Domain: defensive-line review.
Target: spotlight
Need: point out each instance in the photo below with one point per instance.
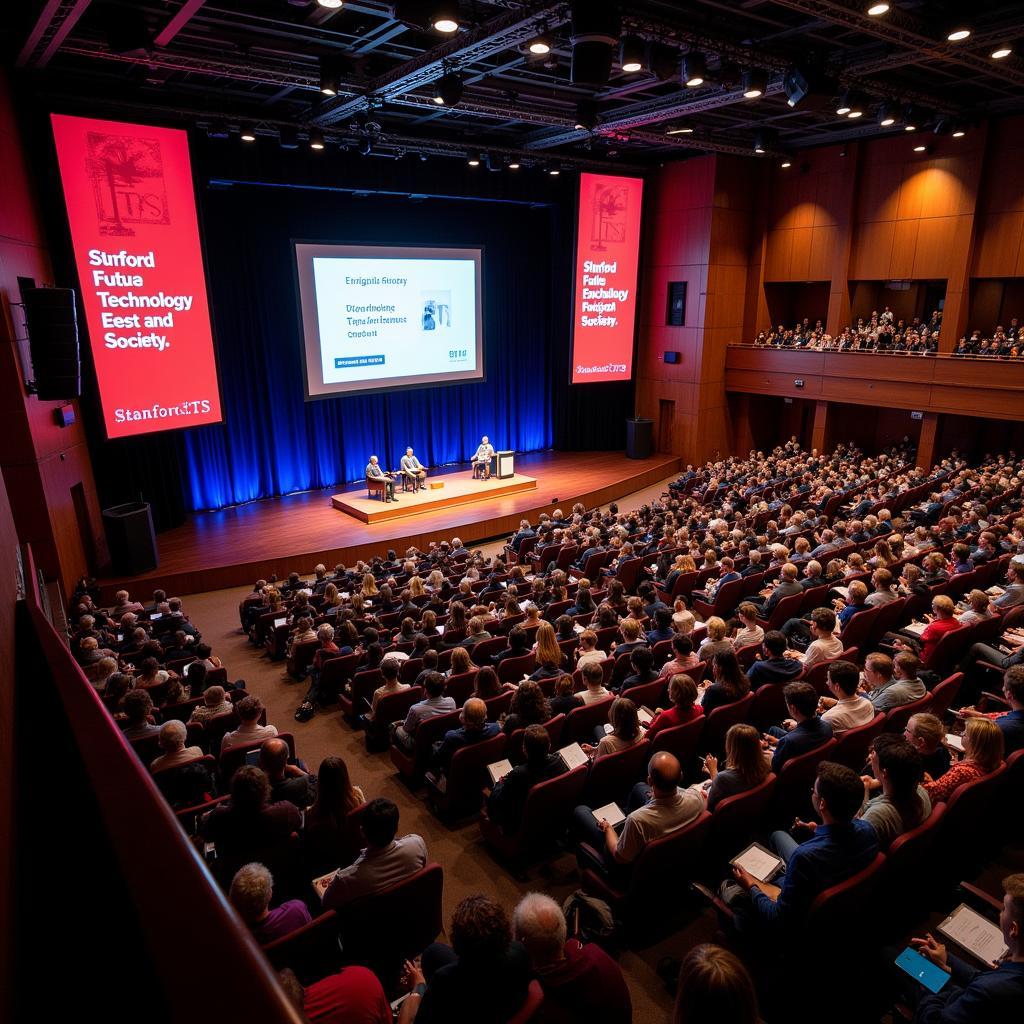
(877, 10)
(595, 29)
(586, 116)
(786, 163)
(764, 139)
(887, 114)
(329, 78)
(664, 61)
(474, 160)
(911, 118)
(316, 138)
(540, 45)
(514, 165)
(365, 146)
(448, 89)
(843, 104)
(247, 133)
(959, 131)
(958, 33)
(444, 16)
(289, 137)
(634, 57)
(755, 81)
(331, 5)
(217, 130)
(554, 172)
(856, 107)
(679, 129)
(920, 148)
(492, 163)
(695, 70)
(1001, 51)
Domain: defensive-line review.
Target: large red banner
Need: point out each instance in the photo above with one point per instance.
(131, 206)
(607, 260)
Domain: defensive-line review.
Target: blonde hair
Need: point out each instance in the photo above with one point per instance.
(717, 628)
(986, 743)
(548, 651)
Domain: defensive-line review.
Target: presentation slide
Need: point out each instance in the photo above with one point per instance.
(131, 207)
(607, 261)
(382, 317)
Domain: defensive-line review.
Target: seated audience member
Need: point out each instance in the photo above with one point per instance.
(123, 604)
(995, 994)
(773, 666)
(683, 658)
(803, 731)
(328, 836)
(352, 996)
(390, 668)
(486, 684)
(882, 589)
(838, 848)
(683, 620)
(581, 983)
(593, 677)
(518, 645)
(251, 891)
(983, 754)
(662, 626)
(506, 802)
(926, 733)
(682, 696)
(482, 977)
(654, 810)
(846, 709)
(550, 659)
(626, 731)
(640, 661)
(172, 743)
(477, 633)
(714, 986)
(587, 650)
(1011, 723)
(750, 632)
(474, 729)
(857, 603)
(717, 639)
(435, 703)
(730, 682)
(287, 781)
(902, 803)
(249, 827)
(944, 621)
(249, 709)
(565, 700)
(746, 767)
(138, 712)
(892, 682)
(385, 860)
(825, 644)
(302, 633)
(529, 707)
(979, 608)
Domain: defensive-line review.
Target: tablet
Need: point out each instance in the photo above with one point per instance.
(921, 969)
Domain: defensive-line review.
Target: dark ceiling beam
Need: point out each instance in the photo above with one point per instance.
(179, 20)
(507, 30)
(55, 23)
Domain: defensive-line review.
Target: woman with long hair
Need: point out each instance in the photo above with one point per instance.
(745, 765)
(584, 601)
(983, 754)
(460, 662)
(487, 684)
(327, 838)
(529, 707)
(455, 627)
(731, 682)
(550, 658)
(626, 731)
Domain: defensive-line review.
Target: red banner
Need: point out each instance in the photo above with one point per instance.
(132, 212)
(607, 260)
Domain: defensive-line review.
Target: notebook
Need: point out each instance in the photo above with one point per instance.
(320, 884)
(760, 862)
(499, 770)
(955, 742)
(645, 716)
(612, 813)
(981, 937)
(280, 622)
(572, 756)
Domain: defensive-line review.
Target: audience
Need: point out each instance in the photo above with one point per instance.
(251, 891)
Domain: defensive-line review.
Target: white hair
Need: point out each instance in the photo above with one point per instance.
(172, 735)
(251, 889)
(538, 922)
(325, 632)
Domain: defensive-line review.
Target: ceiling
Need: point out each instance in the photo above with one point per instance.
(224, 65)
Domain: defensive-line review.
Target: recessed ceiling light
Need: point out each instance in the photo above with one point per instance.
(247, 134)
(554, 172)
(1001, 51)
(331, 5)
(958, 34)
(316, 139)
(877, 10)
(786, 163)
(474, 160)
(540, 46)
(920, 148)
(514, 166)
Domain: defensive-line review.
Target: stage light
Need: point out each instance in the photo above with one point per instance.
(695, 70)
(634, 55)
(445, 17)
(316, 139)
(1001, 51)
(887, 114)
(288, 137)
(958, 33)
(365, 147)
(554, 172)
(331, 5)
(764, 139)
(877, 10)
(920, 148)
(586, 116)
(959, 131)
(540, 45)
(856, 108)
(786, 163)
(448, 89)
(843, 104)
(755, 81)
(679, 129)
(596, 26)
(910, 118)
(474, 160)
(247, 133)
(330, 80)
(514, 165)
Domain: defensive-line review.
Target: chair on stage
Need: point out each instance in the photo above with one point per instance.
(374, 486)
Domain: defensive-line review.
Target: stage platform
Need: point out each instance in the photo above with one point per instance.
(235, 546)
(457, 489)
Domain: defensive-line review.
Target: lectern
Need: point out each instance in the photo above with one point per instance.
(506, 464)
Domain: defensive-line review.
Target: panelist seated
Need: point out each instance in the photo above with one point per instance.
(481, 461)
(374, 472)
(413, 470)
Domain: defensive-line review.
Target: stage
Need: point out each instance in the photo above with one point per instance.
(459, 488)
(236, 546)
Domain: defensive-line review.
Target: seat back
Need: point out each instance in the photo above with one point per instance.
(554, 727)
(796, 780)
(500, 705)
(889, 616)
(612, 777)
(310, 951)
(581, 722)
(838, 909)
(681, 740)
(460, 686)
(851, 748)
(395, 706)
(628, 573)
(482, 652)
(532, 1003)
(736, 818)
(969, 807)
(945, 693)
(428, 733)
(410, 669)
(787, 608)
(651, 694)
(467, 774)
(511, 670)
(548, 806)
(302, 657)
(858, 628)
(896, 719)
(363, 685)
(722, 718)
(214, 729)
(949, 650)
(654, 880)
(336, 671)
(769, 706)
(908, 855)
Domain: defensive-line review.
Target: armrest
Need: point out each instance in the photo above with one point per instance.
(716, 901)
(981, 895)
(993, 698)
(989, 667)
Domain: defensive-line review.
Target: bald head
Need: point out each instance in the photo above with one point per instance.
(663, 773)
(474, 713)
(274, 757)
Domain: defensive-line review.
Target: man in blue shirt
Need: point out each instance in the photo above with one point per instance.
(1011, 723)
(775, 667)
(973, 995)
(838, 848)
(803, 731)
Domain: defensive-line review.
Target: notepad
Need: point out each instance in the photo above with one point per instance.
(155, 615)
(280, 622)
(578, 628)
(612, 813)
(915, 628)
(499, 770)
(970, 930)
(523, 605)
(645, 716)
(320, 884)
(955, 742)
(573, 756)
(608, 727)
(760, 862)
(995, 591)
(843, 592)
(440, 630)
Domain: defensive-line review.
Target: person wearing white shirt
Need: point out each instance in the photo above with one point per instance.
(825, 644)
(482, 459)
(750, 632)
(588, 652)
(413, 470)
(846, 709)
(249, 731)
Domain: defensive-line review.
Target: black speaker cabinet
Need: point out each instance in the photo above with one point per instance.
(638, 438)
(131, 538)
(52, 326)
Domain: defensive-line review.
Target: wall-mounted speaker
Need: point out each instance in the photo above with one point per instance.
(52, 326)
(675, 315)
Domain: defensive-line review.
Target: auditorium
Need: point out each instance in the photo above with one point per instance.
(512, 511)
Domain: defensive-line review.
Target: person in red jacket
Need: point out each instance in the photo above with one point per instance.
(943, 621)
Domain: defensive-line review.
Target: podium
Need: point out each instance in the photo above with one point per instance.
(131, 538)
(505, 465)
(638, 438)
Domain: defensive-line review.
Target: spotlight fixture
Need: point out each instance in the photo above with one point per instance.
(288, 137)
(514, 165)
(959, 131)
(540, 45)
(679, 129)
(877, 10)
(329, 78)
(554, 172)
(365, 146)
(444, 17)
(586, 116)
(596, 27)
(247, 133)
(492, 163)
(888, 114)
(316, 139)
(920, 148)
(1001, 51)
(754, 81)
(843, 104)
(695, 70)
(474, 160)
(856, 107)
(958, 33)
(910, 118)
(634, 56)
(448, 89)
(764, 139)
(786, 162)
(331, 5)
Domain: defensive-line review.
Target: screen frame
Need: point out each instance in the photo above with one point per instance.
(640, 268)
(398, 250)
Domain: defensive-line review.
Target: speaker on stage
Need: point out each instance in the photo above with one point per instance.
(638, 438)
(52, 326)
(131, 539)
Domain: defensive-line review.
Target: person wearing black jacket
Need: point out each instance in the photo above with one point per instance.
(507, 801)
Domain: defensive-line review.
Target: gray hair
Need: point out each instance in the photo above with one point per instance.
(172, 735)
(538, 922)
(251, 889)
(325, 632)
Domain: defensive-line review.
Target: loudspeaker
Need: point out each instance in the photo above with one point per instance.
(131, 538)
(52, 326)
(672, 357)
(675, 315)
(638, 438)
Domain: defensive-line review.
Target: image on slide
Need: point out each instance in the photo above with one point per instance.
(437, 310)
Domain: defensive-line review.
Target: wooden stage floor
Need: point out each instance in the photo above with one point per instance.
(236, 546)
